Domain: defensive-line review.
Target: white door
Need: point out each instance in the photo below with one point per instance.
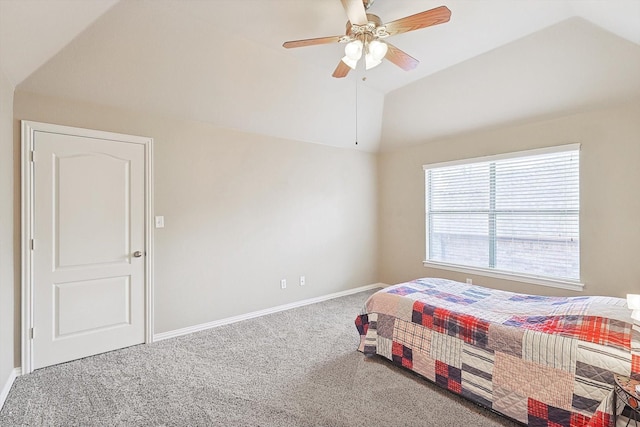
(88, 284)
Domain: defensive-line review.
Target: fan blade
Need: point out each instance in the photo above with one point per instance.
(355, 11)
(400, 58)
(341, 70)
(439, 15)
(311, 42)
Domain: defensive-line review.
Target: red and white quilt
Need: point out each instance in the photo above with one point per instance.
(544, 361)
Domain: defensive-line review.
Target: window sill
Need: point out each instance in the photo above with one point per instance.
(532, 280)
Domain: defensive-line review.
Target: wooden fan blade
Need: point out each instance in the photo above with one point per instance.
(341, 70)
(311, 42)
(355, 11)
(439, 15)
(401, 58)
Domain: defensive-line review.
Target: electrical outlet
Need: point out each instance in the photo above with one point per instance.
(302, 280)
(283, 283)
(469, 281)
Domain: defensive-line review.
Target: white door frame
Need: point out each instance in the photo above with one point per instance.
(28, 134)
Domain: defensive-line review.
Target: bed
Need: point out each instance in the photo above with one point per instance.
(543, 361)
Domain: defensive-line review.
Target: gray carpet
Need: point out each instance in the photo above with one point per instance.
(294, 368)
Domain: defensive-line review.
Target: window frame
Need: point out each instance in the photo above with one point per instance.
(574, 285)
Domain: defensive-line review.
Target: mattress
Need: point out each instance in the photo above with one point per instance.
(543, 361)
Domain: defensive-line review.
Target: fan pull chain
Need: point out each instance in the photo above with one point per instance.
(363, 79)
(356, 111)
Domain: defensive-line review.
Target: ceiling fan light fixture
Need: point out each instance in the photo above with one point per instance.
(365, 32)
(378, 49)
(371, 62)
(350, 62)
(353, 50)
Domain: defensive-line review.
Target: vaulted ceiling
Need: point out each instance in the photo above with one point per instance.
(221, 61)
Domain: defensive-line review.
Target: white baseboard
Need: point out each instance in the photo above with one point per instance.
(15, 373)
(204, 326)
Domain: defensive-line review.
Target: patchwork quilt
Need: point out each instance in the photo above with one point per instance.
(544, 361)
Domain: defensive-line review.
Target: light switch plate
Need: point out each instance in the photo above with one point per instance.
(159, 222)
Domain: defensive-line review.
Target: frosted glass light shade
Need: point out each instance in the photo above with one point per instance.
(353, 50)
(350, 62)
(370, 61)
(378, 49)
(633, 301)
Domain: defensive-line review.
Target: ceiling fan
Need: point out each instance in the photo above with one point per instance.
(366, 32)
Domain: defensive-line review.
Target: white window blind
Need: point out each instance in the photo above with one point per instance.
(516, 213)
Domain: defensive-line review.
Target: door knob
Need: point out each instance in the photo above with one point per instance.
(137, 254)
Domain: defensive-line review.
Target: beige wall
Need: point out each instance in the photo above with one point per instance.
(242, 211)
(7, 327)
(610, 198)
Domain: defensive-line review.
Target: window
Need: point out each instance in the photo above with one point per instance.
(516, 214)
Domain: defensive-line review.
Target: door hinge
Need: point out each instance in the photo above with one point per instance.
(33, 155)
(31, 333)
(33, 244)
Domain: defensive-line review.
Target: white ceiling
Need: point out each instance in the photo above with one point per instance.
(222, 61)
(32, 31)
(569, 67)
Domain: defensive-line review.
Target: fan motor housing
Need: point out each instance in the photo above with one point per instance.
(373, 28)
